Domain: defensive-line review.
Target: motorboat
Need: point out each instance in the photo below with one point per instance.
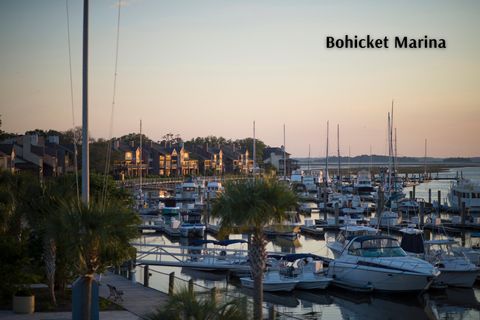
(347, 233)
(363, 186)
(307, 269)
(213, 189)
(387, 218)
(466, 191)
(272, 281)
(456, 270)
(376, 262)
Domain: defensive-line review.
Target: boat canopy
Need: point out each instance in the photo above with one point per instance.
(229, 242)
(296, 256)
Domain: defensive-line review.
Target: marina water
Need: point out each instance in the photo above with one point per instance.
(334, 303)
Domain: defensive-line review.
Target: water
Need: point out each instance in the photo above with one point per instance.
(333, 303)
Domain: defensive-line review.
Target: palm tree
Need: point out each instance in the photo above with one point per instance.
(98, 237)
(184, 304)
(251, 205)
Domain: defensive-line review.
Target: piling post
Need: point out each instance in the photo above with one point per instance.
(146, 276)
(439, 195)
(422, 213)
(336, 213)
(171, 283)
(410, 194)
(213, 294)
(190, 286)
(413, 192)
(430, 196)
(462, 212)
(271, 312)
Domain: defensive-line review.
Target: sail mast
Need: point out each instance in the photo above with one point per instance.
(326, 159)
(284, 156)
(254, 149)
(85, 142)
(140, 156)
(338, 152)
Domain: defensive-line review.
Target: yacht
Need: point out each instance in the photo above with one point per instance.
(347, 233)
(468, 192)
(363, 186)
(375, 262)
(213, 189)
(456, 270)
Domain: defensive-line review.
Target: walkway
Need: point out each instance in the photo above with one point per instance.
(137, 299)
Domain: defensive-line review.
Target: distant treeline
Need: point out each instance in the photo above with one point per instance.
(381, 158)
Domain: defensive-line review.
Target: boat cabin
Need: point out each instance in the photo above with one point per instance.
(375, 247)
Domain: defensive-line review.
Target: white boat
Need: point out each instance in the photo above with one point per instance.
(307, 269)
(363, 186)
(213, 189)
(338, 243)
(272, 281)
(468, 192)
(379, 263)
(192, 229)
(456, 270)
(387, 219)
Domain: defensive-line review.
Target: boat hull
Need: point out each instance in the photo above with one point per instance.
(357, 276)
(455, 278)
(287, 285)
(322, 283)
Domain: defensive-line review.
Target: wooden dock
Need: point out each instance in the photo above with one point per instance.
(137, 299)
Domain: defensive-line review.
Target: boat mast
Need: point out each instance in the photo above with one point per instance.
(140, 169)
(425, 161)
(338, 151)
(254, 149)
(284, 156)
(326, 159)
(389, 156)
(85, 142)
(308, 163)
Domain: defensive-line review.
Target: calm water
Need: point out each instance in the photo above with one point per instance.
(338, 303)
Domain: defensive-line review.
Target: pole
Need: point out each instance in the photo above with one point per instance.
(284, 156)
(338, 152)
(326, 159)
(85, 145)
(254, 149)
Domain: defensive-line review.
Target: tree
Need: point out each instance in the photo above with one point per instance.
(186, 305)
(98, 236)
(251, 205)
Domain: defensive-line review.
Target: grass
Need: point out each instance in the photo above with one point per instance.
(64, 302)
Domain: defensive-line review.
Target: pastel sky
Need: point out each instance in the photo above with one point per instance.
(207, 67)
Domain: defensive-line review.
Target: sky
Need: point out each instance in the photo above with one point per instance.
(199, 68)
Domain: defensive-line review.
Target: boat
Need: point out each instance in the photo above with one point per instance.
(272, 281)
(191, 225)
(466, 191)
(456, 270)
(362, 186)
(307, 269)
(338, 243)
(378, 263)
(213, 189)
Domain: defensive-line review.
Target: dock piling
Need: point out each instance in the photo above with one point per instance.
(413, 192)
(430, 196)
(171, 283)
(439, 195)
(336, 213)
(190, 286)
(422, 213)
(146, 276)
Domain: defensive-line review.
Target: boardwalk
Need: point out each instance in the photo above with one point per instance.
(137, 299)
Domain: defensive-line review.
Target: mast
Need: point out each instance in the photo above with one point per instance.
(370, 169)
(389, 156)
(85, 142)
(349, 166)
(141, 158)
(425, 161)
(338, 151)
(326, 159)
(308, 163)
(284, 156)
(254, 149)
(395, 153)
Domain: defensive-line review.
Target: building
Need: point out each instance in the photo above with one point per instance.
(275, 157)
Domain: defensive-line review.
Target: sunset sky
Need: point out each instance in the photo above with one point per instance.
(199, 68)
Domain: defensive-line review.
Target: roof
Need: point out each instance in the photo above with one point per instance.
(372, 237)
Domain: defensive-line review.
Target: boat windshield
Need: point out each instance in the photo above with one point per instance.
(377, 247)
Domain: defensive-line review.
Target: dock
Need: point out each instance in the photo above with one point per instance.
(137, 299)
